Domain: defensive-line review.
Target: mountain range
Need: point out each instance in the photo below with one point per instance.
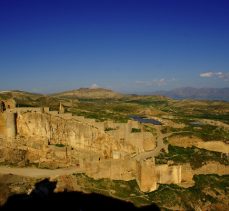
(196, 93)
(101, 93)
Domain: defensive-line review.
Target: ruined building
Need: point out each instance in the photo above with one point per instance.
(54, 139)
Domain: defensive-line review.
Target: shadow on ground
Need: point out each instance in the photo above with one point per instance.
(43, 198)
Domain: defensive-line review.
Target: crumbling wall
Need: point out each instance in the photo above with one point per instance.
(7, 124)
(7, 119)
(57, 130)
(2, 125)
(141, 141)
(7, 104)
(10, 124)
(146, 175)
(168, 174)
(186, 173)
(83, 133)
(112, 169)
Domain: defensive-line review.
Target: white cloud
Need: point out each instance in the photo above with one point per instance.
(207, 75)
(94, 86)
(221, 75)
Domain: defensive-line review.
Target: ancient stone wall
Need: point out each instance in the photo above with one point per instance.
(7, 104)
(27, 109)
(8, 124)
(7, 119)
(102, 149)
(146, 175)
(2, 125)
(83, 133)
(168, 174)
(57, 130)
(113, 169)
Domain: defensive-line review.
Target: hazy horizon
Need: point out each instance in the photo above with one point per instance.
(121, 92)
(127, 46)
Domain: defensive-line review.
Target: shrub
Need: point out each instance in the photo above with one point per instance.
(109, 129)
(59, 145)
(135, 130)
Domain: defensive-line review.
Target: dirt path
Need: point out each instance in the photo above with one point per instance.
(35, 172)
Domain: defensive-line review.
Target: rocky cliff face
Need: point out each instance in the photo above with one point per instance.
(49, 139)
(56, 130)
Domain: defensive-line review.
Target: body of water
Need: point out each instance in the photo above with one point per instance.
(145, 120)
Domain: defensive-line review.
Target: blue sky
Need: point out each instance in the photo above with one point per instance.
(130, 46)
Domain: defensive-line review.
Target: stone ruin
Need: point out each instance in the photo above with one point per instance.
(54, 139)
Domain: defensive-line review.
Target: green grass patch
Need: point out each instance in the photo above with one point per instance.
(187, 198)
(205, 132)
(166, 196)
(150, 129)
(135, 130)
(193, 155)
(59, 145)
(109, 129)
(118, 188)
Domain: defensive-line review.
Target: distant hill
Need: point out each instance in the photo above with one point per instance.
(34, 99)
(18, 94)
(92, 93)
(196, 93)
(28, 99)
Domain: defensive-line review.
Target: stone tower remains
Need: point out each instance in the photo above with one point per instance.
(7, 119)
